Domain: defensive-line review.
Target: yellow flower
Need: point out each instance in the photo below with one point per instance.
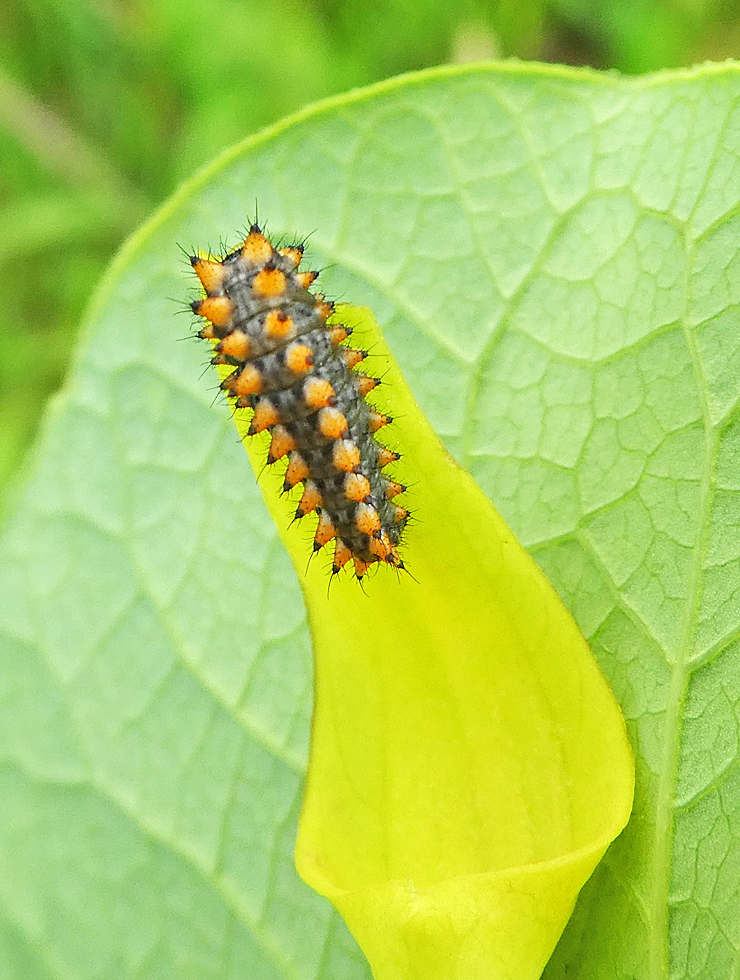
(469, 765)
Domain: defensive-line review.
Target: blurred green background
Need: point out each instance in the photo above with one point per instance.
(106, 105)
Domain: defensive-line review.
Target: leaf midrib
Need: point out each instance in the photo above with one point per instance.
(682, 666)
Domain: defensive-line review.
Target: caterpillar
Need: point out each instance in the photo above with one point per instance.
(295, 374)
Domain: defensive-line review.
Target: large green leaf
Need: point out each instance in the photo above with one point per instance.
(552, 257)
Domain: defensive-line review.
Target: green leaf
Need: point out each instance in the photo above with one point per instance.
(552, 256)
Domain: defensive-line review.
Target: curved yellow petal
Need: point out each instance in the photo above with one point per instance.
(469, 765)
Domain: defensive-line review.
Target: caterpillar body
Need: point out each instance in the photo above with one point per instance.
(293, 371)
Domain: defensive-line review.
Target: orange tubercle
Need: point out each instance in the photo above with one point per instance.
(367, 519)
(247, 382)
(217, 309)
(265, 415)
(378, 420)
(294, 254)
(380, 546)
(393, 489)
(353, 357)
(318, 393)
(333, 423)
(342, 555)
(306, 278)
(365, 384)
(325, 531)
(356, 487)
(237, 344)
(269, 283)
(298, 358)
(338, 332)
(360, 566)
(387, 456)
(346, 455)
(278, 325)
(297, 470)
(256, 249)
(281, 444)
(310, 500)
(323, 307)
(211, 274)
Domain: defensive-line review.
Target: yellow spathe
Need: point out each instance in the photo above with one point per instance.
(469, 765)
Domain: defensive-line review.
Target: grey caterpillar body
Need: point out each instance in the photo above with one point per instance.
(292, 369)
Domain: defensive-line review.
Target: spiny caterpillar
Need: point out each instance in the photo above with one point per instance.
(292, 370)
